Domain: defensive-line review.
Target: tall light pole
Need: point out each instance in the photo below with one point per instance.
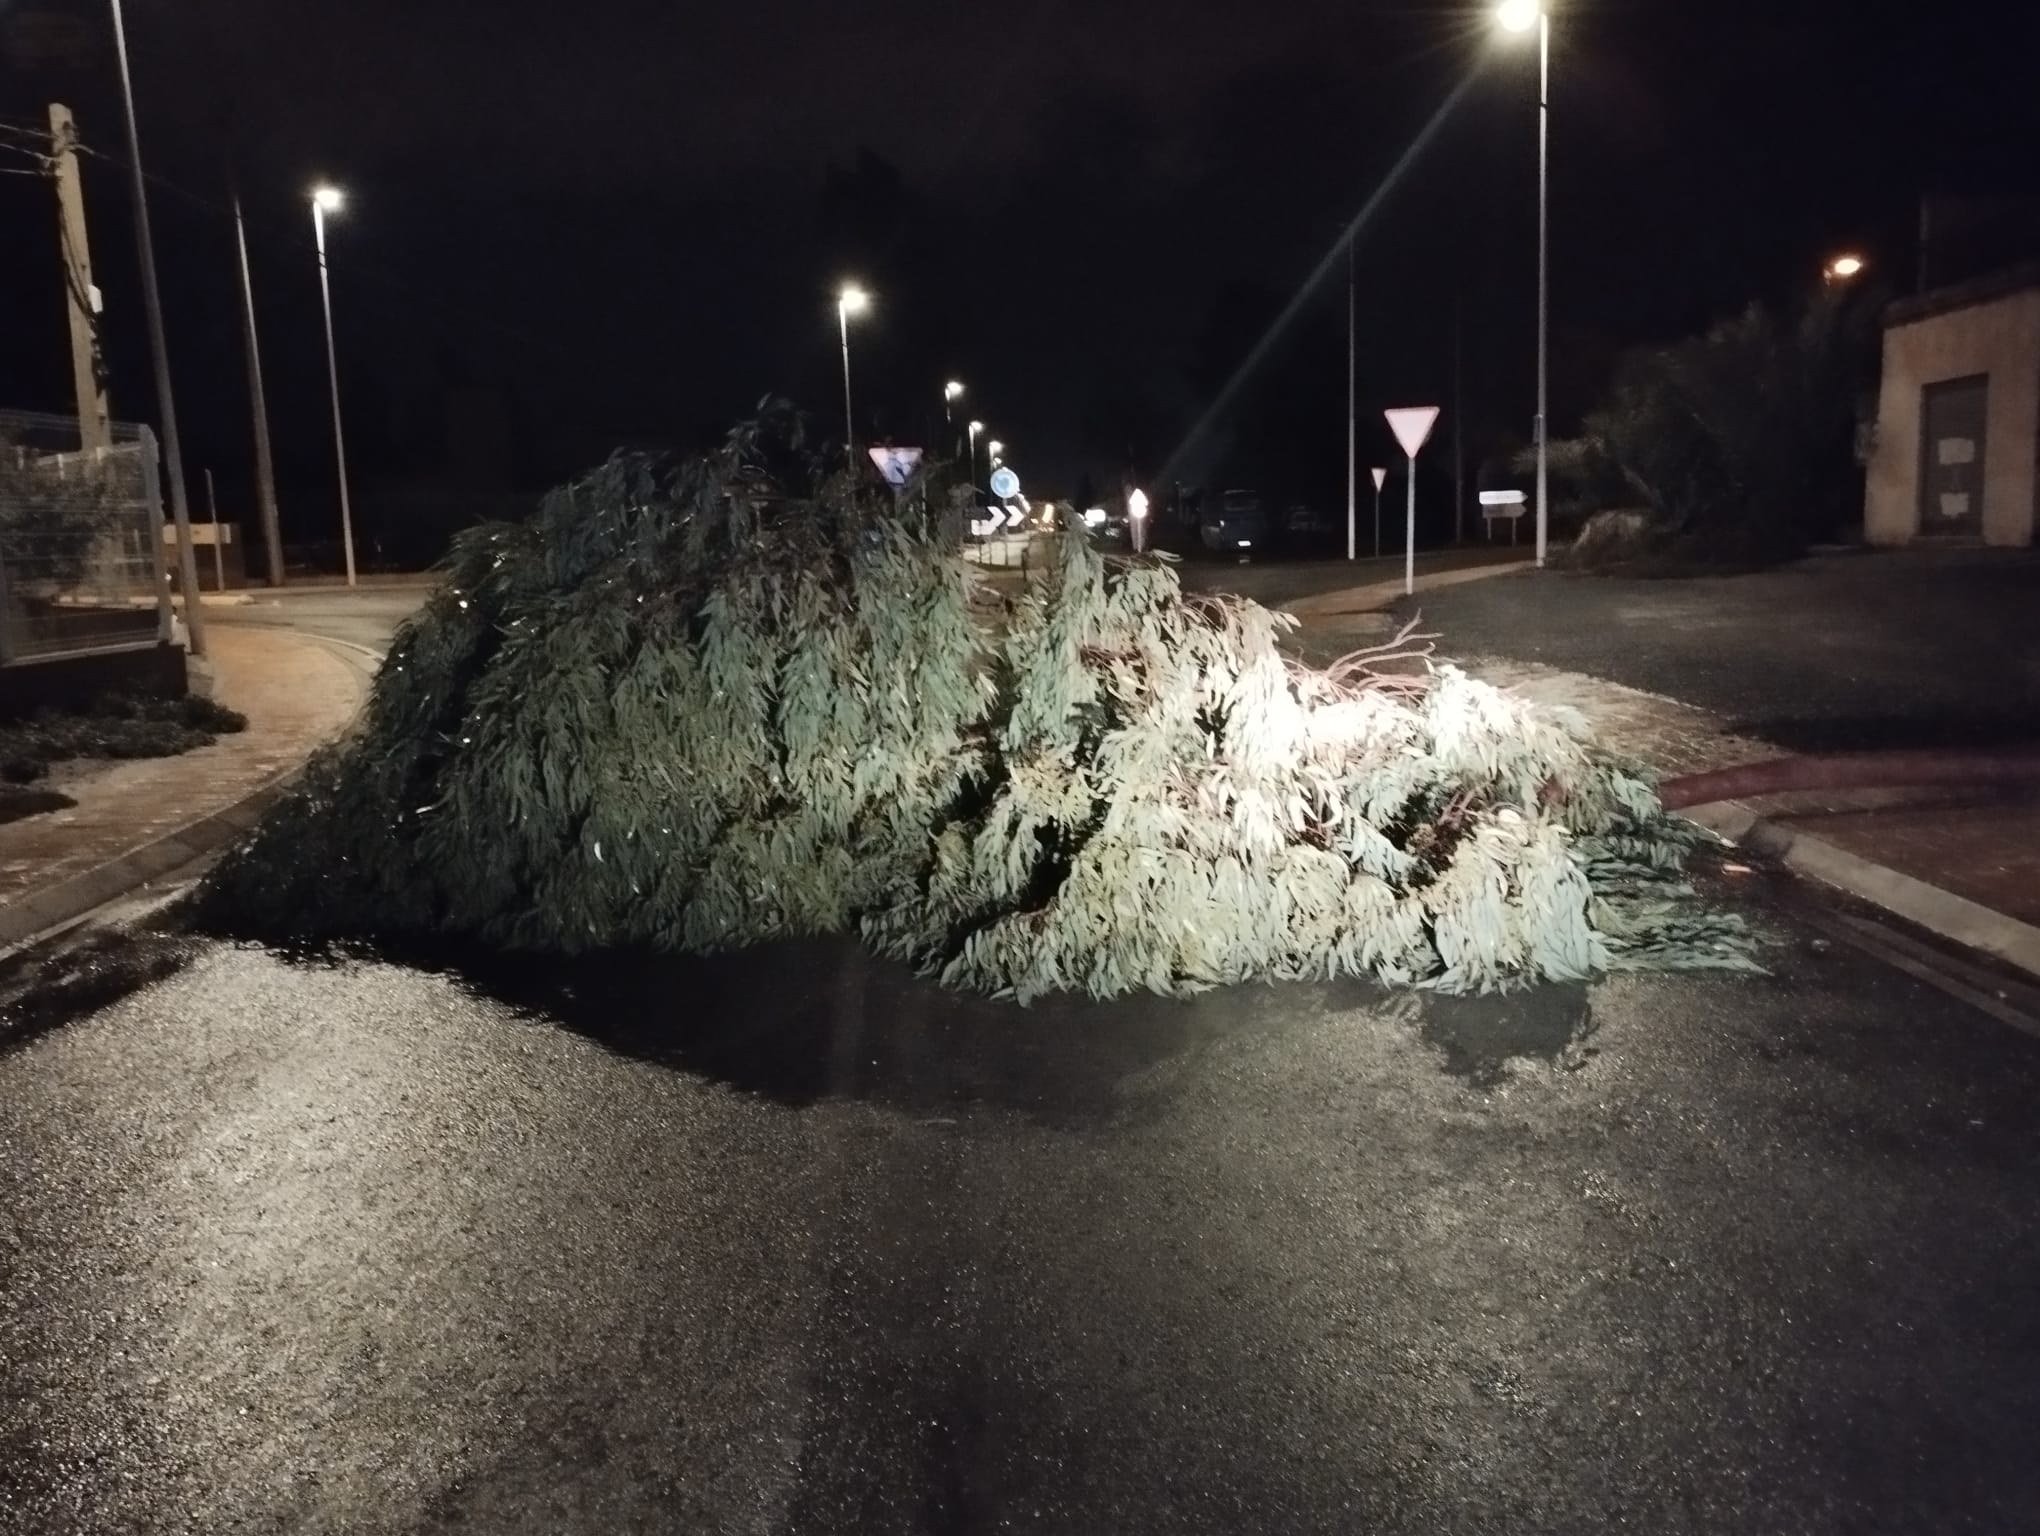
(853, 300)
(1352, 414)
(265, 469)
(159, 348)
(1521, 16)
(951, 393)
(975, 428)
(327, 200)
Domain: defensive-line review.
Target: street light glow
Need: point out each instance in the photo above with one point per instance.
(853, 299)
(951, 390)
(995, 448)
(328, 198)
(1845, 266)
(1518, 15)
(977, 426)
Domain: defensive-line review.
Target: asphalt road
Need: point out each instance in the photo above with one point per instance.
(793, 1243)
(367, 617)
(1919, 648)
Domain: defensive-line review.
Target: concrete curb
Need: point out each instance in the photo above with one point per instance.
(1943, 913)
(1372, 597)
(42, 912)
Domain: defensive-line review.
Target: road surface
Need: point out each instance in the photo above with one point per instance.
(1917, 648)
(361, 620)
(791, 1242)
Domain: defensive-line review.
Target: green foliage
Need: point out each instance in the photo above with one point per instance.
(115, 725)
(1739, 443)
(701, 706)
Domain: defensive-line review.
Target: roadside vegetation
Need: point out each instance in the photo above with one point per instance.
(1731, 449)
(115, 725)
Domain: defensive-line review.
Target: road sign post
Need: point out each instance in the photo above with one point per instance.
(1411, 424)
(1380, 479)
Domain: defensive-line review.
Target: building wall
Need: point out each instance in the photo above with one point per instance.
(2001, 339)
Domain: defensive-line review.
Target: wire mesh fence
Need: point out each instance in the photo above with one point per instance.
(81, 539)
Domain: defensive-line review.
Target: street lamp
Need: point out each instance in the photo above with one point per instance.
(975, 428)
(159, 354)
(993, 449)
(1136, 515)
(325, 200)
(951, 393)
(853, 300)
(1521, 16)
(1842, 268)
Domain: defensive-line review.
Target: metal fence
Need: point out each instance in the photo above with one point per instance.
(81, 539)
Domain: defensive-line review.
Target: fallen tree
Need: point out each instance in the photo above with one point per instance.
(701, 706)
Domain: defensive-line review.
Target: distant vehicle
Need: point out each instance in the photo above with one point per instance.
(1235, 524)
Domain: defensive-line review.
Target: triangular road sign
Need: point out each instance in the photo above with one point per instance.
(1380, 477)
(1411, 424)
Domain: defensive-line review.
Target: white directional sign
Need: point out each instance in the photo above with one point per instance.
(1411, 424)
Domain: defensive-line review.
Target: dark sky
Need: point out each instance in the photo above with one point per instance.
(622, 220)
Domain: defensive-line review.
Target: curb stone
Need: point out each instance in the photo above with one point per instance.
(40, 913)
(1943, 913)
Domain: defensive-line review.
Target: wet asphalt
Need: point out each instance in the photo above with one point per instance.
(792, 1242)
(1913, 649)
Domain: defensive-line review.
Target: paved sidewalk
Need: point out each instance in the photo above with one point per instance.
(1907, 850)
(136, 820)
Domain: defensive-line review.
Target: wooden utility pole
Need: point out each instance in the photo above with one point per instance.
(94, 426)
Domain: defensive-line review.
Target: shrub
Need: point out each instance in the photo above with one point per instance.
(1739, 444)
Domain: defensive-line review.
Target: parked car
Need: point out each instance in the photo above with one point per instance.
(1236, 524)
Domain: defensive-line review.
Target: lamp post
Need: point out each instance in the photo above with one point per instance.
(975, 428)
(159, 356)
(325, 200)
(1521, 16)
(853, 300)
(1842, 268)
(951, 393)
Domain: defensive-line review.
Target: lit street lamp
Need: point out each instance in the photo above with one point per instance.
(975, 428)
(853, 300)
(951, 393)
(1842, 268)
(1136, 514)
(993, 449)
(327, 200)
(1521, 16)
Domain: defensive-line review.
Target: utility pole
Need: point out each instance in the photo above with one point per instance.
(1459, 419)
(173, 452)
(219, 557)
(94, 425)
(1352, 413)
(265, 468)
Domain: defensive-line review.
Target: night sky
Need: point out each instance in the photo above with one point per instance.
(622, 221)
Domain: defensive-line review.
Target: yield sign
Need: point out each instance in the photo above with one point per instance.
(1411, 424)
(897, 465)
(1380, 477)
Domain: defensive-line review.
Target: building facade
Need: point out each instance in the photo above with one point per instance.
(1957, 448)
